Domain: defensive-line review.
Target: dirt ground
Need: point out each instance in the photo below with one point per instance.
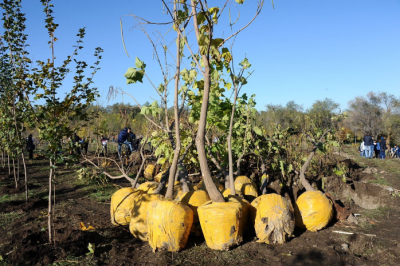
(371, 192)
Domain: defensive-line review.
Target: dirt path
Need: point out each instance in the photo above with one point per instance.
(24, 238)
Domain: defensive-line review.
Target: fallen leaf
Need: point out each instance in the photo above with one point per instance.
(84, 228)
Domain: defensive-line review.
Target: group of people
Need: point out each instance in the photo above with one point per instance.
(369, 147)
(128, 138)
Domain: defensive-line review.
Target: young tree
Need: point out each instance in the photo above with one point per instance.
(15, 85)
(53, 118)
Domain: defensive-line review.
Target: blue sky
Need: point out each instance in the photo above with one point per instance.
(301, 50)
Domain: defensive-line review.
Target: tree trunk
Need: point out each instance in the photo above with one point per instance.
(15, 176)
(26, 177)
(8, 160)
(172, 171)
(50, 207)
(265, 183)
(231, 180)
(18, 169)
(212, 190)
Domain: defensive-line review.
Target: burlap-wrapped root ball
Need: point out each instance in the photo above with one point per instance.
(194, 199)
(122, 204)
(221, 223)
(148, 187)
(149, 171)
(273, 218)
(138, 223)
(168, 224)
(313, 211)
(201, 185)
(247, 187)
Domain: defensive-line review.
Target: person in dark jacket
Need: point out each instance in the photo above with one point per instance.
(85, 145)
(383, 148)
(368, 144)
(30, 146)
(377, 149)
(75, 140)
(123, 139)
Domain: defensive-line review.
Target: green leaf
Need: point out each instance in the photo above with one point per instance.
(221, 126)
(133, 75)
(226, 55)
(258, 131)
(139, 64)
(245, 63)
(91, 248)
(201, 18)
(239, 1)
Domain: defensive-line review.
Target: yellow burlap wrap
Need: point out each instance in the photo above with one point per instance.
(221, 223)
(313, 211)
(168, 224)
(273, 218)
(138, 223)
(122, 204)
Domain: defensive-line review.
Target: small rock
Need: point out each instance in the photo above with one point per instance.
(345, 247)
(390, 189)
(315, 246)
(352, 219)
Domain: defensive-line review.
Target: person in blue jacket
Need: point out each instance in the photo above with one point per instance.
(383, 147)
(123, 139)
(377, 149)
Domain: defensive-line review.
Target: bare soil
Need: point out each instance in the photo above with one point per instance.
(23, 226)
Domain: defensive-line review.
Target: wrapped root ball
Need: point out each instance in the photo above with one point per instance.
(158, 177)
(168, 224)
(149, 171)
(201, 185)
(245, 209)
(247, 186)
(194, 199)
(273, 218)
(178, 191)
(148, 187)
(313, 211)
(138, 223)
(122, 204)
(221, 223)
(227, 192)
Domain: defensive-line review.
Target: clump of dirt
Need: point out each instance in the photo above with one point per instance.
(365, 195)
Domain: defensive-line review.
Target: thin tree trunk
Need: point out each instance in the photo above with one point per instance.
(231, 180)
(18, 169)
(15, 176)
(265, 182)
(171, 180)
(50, 207)
(8, 160)
(244, 141)
(212, 190)
(26, 177)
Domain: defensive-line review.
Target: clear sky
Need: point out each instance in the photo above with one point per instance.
(301, 50)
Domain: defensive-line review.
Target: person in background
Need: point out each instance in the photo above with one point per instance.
(103, 141)
(123, 139)
(30, 146)
(383, 148)
(131, 138)
(395, 149)
(361, 149)
(377, 149)
(368, 142)
(85, 144)
(75, 140)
